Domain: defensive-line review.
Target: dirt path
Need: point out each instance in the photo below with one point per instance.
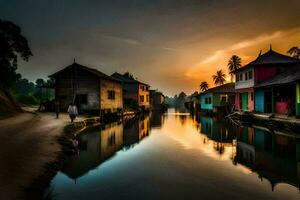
(28, 142)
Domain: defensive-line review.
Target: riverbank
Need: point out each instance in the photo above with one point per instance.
(36, 146)
(33, 148)
(270, 121)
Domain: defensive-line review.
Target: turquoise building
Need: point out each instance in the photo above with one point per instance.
(217, 97)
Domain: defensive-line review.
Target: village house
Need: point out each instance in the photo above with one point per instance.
(91, 90)
(220, 98)
(192, 102)
(157, 100)
(280, 94)
(263, 68)
(135, 93)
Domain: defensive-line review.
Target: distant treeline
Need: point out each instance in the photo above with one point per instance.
(27, 92)
(177, 100)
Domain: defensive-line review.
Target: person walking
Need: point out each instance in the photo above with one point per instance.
(56, 107)
(73, 112)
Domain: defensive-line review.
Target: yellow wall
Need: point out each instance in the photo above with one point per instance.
(112, 104)
(144, 93)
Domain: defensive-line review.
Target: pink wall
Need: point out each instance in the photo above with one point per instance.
(281, 107)
(238, 101)
(263, 73)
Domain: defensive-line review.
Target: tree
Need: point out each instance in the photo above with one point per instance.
(12, 45)
(40, 82)
(219, 78)
(294, 52)
(204, 86)
(234, 63)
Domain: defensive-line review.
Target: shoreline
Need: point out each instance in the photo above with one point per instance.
(38, 189)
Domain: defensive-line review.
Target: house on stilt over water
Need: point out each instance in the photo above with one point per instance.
(136, 94)
(91, 90)
(218, 99)
(250, 94)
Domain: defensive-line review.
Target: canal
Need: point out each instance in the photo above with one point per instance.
(179, 156)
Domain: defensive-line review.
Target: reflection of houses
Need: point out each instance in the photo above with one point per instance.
(263, 68)
(156, 119)
(218, 98)
(90, 89)
(135, 93)
(144, 127)
(217, 130)
(275, 157)
(95, 147)
(157, 100)
(220, 132)
(135, 130)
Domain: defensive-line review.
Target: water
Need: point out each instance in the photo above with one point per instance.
(176, 156)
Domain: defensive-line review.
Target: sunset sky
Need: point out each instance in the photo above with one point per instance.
(171, 44)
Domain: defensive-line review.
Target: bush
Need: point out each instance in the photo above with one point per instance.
(27, 99)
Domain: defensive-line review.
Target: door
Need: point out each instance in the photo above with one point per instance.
(244, 100)
(268, 102)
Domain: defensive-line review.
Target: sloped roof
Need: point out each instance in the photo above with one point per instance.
(91, 70)
(289, 76)
(226, 88)
(269, 58)
(125, 79)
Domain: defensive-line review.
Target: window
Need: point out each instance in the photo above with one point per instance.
(250, 74)
(237, 77)
(142, 88)
(223, 98)
(111, 94)
(207, 100)
(252, 96)
(241, 76)
(142, 98)
(147, 88)
(246, 76)
(147, 98)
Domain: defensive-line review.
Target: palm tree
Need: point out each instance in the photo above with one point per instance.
(203, 86)
(219, 78)
(294, 52)
(234, 63)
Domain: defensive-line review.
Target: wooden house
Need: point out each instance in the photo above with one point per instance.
(90, 89)
(263, 68)
(217, 98)
(135, 93)
(157, 100)
(280, 94)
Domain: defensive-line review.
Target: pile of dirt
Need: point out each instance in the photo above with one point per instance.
(8, 105)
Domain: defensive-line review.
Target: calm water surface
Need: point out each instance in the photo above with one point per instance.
(177, 156)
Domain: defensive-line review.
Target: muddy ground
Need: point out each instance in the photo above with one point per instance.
(28, 142)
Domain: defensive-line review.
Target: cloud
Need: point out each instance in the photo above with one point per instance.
(241, 45)
(121, 39)
(171, 49)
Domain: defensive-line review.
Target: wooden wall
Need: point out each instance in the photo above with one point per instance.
(69, 83)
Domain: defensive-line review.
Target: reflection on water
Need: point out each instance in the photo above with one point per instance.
(175, 155)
